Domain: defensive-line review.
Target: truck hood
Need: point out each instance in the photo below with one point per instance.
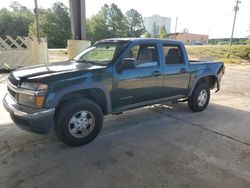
(49, 69)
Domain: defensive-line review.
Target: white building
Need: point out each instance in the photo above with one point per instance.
(158, 21)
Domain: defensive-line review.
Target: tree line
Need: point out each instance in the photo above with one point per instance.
(54, 23)
(226, 41)
(109, 22)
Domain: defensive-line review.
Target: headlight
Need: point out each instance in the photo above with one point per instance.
(33, 94)
(27, 100)
(34, 86)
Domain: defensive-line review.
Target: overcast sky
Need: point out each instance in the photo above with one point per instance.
(212, 17)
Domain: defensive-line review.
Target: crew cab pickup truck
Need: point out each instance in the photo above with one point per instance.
(112, 76)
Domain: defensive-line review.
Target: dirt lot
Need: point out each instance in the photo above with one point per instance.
(157, 146)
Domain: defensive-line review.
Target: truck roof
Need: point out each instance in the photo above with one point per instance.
(139, 39)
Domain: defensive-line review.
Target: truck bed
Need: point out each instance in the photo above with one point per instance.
(213, 66)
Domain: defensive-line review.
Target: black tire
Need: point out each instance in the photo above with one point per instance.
(194, 102)
(73, 109)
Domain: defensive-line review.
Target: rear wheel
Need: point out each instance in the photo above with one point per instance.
(200, 97)
(78, 122)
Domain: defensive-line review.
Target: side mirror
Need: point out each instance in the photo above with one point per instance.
(127, 63)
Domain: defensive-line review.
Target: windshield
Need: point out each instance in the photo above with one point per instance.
(101, 53)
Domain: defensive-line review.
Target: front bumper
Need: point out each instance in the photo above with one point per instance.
(30, 119)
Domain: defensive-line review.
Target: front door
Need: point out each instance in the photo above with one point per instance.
(141, 84)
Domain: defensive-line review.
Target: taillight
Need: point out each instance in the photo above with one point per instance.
(223, 70)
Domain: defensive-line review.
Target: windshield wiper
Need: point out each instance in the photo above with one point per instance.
(90, 62)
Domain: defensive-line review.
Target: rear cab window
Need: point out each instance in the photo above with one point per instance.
(173, 54)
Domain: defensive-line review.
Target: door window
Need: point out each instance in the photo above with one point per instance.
(173, 55)
(145, 55)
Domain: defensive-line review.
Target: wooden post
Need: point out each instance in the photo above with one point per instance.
(37, 22)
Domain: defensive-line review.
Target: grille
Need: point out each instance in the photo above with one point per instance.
(12, 93)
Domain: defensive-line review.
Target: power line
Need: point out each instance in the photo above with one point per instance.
(236, 9)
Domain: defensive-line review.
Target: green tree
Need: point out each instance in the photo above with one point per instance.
(15, 21)
(6, 19)
(55, 25)
(117, 22)
(108, 22)
(147, 35)
(97, 25)
(163, 32)
(135, 23)
(15, 6)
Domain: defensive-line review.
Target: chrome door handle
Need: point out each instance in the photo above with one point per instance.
(156, 73)
(183, 70)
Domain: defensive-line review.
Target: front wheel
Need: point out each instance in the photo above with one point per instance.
(200, 97)
(78, 122)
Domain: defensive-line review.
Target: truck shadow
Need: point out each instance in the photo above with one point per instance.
(226, 120)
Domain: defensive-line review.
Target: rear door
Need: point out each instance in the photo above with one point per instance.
(176, 71)
(142, 84)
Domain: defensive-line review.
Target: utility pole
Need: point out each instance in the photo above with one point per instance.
(37, 22)
(176, 21)
(236, 9)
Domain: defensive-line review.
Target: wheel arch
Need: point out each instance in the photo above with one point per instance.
(211, 80)
(99, 95)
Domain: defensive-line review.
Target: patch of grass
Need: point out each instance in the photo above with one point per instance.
(235, 54)
(231, 60)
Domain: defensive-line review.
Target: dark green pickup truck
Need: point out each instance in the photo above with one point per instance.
(112, 76)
